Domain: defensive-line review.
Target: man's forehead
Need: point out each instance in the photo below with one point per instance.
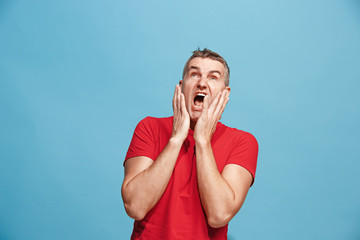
(207, 65)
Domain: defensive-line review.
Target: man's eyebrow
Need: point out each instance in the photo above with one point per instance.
(215, 71)
(193, 67)
(197, 68)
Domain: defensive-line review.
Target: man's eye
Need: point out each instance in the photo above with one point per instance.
(194, 74)
(213, 78)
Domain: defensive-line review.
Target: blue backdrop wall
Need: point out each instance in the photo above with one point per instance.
(77, 76)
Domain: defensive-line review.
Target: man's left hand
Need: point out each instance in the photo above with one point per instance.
(206, 124)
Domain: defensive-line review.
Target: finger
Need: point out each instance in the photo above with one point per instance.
(178, 92)
(174, 100)
(224, 103)
(182, 102)
(227, 93)
(215, 102)
(223, 107)
(217, 107)
(226, 97)
(206, 103)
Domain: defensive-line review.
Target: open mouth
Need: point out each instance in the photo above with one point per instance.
(199, 100)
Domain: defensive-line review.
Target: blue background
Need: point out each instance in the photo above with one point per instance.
(77, 76)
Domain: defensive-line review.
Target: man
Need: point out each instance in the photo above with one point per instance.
(187, 176)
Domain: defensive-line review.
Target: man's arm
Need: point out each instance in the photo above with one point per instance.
(222, 195)
(146, 180)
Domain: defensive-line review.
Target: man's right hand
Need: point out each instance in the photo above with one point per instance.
(145, 179)
(181, 122)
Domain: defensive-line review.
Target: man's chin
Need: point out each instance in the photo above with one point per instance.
(195, 115)
(194, 118)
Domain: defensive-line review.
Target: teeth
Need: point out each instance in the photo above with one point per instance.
(200, 94)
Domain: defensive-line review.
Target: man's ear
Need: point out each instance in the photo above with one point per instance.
(228, 89)
(181, 84)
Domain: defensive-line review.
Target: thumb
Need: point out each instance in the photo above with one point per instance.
(206, 103)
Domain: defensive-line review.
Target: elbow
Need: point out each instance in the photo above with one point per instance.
(218, 220)
(132, 209)
(135, 213)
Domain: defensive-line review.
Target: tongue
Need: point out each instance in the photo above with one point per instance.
(198, 103)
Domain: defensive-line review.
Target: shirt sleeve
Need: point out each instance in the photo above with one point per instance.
(142, 142)
(245, 153)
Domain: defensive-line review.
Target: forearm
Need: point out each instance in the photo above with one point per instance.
(143, 191)
(217, 197)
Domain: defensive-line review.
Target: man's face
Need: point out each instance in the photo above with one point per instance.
(205, 77)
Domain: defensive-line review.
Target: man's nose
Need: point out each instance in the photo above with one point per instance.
(202, 83)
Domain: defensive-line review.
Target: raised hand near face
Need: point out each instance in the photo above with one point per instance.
(181, 122)
(206, 124)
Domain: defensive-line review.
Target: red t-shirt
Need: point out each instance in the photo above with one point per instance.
(179, 214)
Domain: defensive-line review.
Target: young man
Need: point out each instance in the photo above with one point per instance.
(187, 176)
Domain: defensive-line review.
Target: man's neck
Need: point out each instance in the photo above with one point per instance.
(192, 124)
